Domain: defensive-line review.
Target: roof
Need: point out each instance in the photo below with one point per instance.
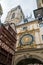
(13, 9)
(27, 22)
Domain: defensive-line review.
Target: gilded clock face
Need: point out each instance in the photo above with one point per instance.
(26, 39)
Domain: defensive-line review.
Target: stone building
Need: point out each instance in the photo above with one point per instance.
(29, 46)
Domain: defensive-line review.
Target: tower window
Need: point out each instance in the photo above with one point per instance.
(42, 37)
(13, 15)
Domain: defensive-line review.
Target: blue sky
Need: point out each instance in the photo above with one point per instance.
(27, 6)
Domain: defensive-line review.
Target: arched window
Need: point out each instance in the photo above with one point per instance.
(13, 16)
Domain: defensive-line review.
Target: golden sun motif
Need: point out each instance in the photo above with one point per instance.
(26, 39)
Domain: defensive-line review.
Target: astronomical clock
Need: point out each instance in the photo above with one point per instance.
(26, 39)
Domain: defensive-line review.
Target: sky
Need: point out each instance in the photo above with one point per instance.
(27, 7)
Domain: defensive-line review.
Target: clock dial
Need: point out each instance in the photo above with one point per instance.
(26, 39)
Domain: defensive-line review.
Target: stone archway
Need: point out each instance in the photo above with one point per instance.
(29, 61)
(23, 58)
